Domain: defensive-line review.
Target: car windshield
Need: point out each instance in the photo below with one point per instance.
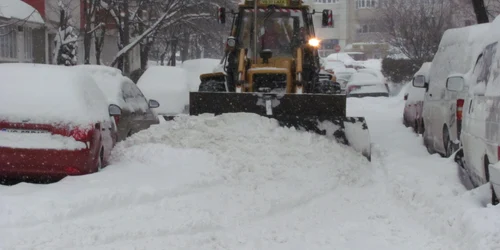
(278, 30)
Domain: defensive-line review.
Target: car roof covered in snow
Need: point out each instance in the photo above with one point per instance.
(111, 81)
(168, 85)
(364, 78)
(49, 94)
(457, 53)
(19, 10)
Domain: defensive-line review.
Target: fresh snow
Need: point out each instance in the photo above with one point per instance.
(18, 9)
(239, 181)
(167, 85)
(39, 141)
(49, 94)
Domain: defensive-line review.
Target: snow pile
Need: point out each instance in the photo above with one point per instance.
(114, 86)
(39, 141)
(198, 67)
(167, 85)
(49, 94)
(19, 10)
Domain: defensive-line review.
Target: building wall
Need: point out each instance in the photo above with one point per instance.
(22, 43)
(51, 11)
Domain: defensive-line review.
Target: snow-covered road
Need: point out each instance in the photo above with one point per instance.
(241, 182)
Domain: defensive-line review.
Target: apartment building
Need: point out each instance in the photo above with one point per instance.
(22, 33)
(354, 28)
(50, 12)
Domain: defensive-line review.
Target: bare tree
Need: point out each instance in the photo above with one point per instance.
(415, 27)
(480, 10)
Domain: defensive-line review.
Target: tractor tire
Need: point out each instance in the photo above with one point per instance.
(212, 86)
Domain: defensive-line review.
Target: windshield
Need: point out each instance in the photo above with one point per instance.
(280, 31)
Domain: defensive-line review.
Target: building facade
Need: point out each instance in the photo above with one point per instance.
(50, 11)
(354, 28)
(22, 33)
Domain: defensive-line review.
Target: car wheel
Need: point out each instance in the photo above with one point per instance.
(421, 128)
(494, 197)
(448, 145)
(100, 160)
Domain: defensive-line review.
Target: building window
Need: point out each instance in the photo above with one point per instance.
(28, 43)
(8, 42)
(366, 4)
(367, 28)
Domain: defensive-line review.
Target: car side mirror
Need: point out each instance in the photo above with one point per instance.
(419, 82)
(153, 104)
(455, 83)
(114, 110)
(221, 15)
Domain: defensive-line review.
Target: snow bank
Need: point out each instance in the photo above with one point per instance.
(197, 67)
(427, 185)
(49, 94)
(114, 85)
(167, 85)
(19, 10)
(39, 141)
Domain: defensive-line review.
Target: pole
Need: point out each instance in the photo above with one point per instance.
(255, 33)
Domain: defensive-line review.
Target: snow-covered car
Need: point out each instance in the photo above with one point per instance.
(414, 100)
(168, 85)
(54, 122)
(480, 134)
(344, 76)
(457, 54)
(376, 73)
(137, 111)
(364, 84)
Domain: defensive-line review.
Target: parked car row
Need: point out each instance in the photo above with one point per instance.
(363, 82)
(461, 104)
(57, 121)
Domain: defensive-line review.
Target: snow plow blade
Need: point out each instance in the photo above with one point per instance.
(323, 114)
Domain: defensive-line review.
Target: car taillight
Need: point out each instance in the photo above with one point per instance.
(351, 88)
(460, 106)
(117, 119)
(82, 134)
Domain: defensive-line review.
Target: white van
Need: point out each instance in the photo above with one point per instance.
(455, 56)
(481, 117)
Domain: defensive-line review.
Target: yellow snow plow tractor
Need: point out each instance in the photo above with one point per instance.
(271, 68)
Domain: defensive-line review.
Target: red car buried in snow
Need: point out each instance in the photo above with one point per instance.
(53, 123)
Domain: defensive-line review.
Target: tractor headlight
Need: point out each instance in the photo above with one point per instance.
(314, 42)
(231, 42)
